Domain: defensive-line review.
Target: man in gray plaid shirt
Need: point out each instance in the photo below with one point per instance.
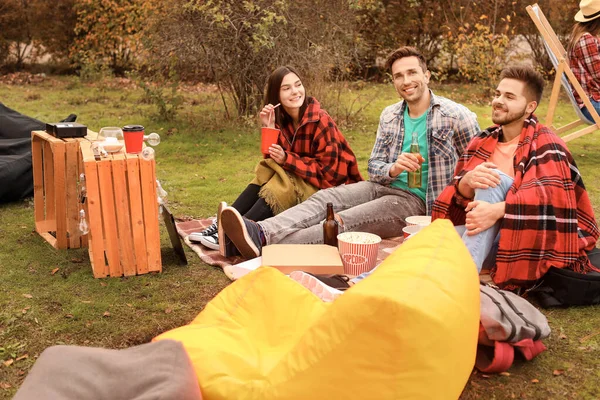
(443, 129)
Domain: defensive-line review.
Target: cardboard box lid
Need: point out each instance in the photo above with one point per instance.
(316, 258)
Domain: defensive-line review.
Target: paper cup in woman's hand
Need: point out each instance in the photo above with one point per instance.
(268, 137)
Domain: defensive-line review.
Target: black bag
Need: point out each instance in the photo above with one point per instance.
(562, 287)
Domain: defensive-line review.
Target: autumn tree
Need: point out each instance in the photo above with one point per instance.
(110, 32)
(239, 42)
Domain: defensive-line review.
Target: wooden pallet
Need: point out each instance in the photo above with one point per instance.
(56, 167)
(122, 214)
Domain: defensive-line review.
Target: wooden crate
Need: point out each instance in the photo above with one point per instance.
(122, 214)
(56, 167)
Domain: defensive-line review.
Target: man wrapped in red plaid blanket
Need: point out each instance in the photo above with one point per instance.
(543, 216)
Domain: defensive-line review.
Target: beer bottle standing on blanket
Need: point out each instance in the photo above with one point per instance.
(330, 227)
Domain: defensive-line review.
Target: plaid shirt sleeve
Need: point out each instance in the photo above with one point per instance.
(321, 155)
(584, 61)
(590, 55)
(390, 134)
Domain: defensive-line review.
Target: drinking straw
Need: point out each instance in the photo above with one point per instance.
(274, 107)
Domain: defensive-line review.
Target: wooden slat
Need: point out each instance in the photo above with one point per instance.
(38, 179)
(59, 157)
(137, 214)
(119, 167)
(94, 217)
(150, 214)
(111, 238)
(569, 126)
(49, 183)
(72, 193)
(46, 226)
(579, 133)
(49, 238)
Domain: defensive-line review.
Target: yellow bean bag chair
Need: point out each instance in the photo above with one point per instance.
(409, 331)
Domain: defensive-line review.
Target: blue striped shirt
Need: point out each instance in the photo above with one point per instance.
(450, 127)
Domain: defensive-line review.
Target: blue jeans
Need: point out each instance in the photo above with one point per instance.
(363, 207)
(483, 246)
(585, 111)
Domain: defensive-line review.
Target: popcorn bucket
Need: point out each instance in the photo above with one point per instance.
(421, 220)
(358, 251)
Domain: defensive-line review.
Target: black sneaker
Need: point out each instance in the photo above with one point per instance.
(210, 241)
(244, 234)
(211, 230)
(197, 237)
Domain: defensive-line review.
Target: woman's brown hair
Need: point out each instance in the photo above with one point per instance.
(592, 27)
(282, 118)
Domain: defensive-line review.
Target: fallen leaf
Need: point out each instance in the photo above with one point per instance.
(102, 284)
(168, 311)
(36, 321)
(8, 363)
(558, 372)
(55, 270)
(128, 304)
(86, 301)
(485, 376)
(20, 372)
(5, 385)
(562, 336)
(106, 314)
(535, 381)
(69, 316)
(76, 260)
(24, 356)
(505, 373)
(27, 296)
(86, 341)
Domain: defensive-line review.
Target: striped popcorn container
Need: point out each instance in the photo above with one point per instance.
(358, 251)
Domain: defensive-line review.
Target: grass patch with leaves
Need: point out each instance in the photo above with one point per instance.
(50, 297)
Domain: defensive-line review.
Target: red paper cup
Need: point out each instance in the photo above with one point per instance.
(358, 251)
(410, 230)
(134, 138)
(268, 137)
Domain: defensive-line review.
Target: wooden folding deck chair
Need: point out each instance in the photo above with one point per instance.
(564, 76)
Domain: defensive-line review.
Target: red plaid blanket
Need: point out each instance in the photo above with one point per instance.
(549, 218)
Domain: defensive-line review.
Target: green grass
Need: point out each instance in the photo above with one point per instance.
(202, 160)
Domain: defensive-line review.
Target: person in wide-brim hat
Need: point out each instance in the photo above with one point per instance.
(584, 53)
(588, 10)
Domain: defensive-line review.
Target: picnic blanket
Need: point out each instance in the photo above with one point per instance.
(212, 257)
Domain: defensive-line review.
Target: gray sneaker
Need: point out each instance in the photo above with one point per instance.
(244, 234)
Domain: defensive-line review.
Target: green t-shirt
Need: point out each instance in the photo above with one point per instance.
(418, 125)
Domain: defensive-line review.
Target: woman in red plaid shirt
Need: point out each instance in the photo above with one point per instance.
(584, 53)
(310, 154)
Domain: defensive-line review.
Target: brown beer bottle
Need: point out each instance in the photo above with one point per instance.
(330, 227)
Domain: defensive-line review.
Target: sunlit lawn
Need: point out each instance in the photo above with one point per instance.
(204, 159)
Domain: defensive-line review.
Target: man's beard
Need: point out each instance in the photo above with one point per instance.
(508, 117)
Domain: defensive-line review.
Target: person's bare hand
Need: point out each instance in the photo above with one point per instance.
(267, 116)
(406, 162)
(482, 176)
(277, 153)
(482, 215)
